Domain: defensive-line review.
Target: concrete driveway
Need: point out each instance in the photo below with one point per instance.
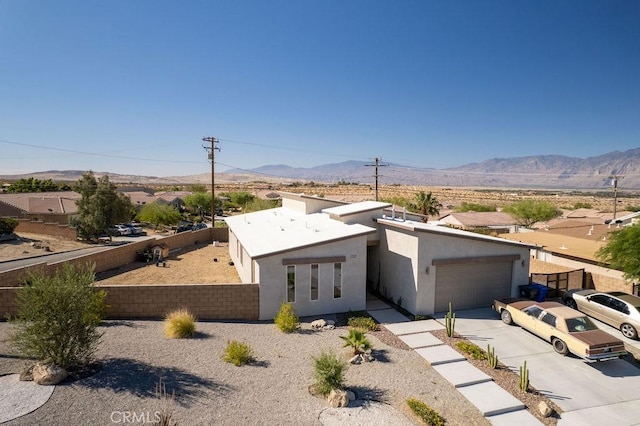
(587, 393)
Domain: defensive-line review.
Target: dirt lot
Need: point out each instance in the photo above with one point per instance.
(29, 245)
(203, 263)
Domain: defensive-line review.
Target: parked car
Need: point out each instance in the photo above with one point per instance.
(120, 230)
(135, 230)
(568, 330)
(618, 309)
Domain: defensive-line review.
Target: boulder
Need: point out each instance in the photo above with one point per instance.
(329, 327)
(545, 409)
(330, 322)
(351, 395)
(48, 374)
(367, 357)
(357, 359)
(319, 323)
(338, 398)
(26, 375)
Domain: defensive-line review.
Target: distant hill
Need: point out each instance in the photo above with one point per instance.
(542, 171)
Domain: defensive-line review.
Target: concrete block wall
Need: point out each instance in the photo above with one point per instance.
(7, 302)
(47, 228)
(601, 282)
(205, 301)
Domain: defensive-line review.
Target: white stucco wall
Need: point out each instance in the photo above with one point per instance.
(405, 255)
(244, 267)
(273, 278)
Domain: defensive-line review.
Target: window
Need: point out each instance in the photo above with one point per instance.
(314, 282)
(601, 299)
(291, 283)
(337, 280)
(533, 311)
(549, 319)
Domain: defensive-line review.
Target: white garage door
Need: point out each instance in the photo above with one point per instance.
(471, 285)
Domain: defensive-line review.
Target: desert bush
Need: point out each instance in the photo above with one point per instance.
(357, 340)
(58, 316)
(328, 371)
(425, 413)
(237, 353)
(7, 225)
(286, 320)
(471, 349)
(180, 324)
(363, 322)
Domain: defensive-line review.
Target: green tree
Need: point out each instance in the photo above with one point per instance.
(7, 225)
(58, 316)
(198, 202)
(100, 207)
(33, 185)
(425, 204)
(621, 251)
(198, 187)
(159, 214)
(528, 212)
(259, 204)
(398, 201)
(475, 207)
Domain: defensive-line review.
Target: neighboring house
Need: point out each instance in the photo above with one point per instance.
(50, 207)
(322, 254)
(571, 244)
(495, 222)
(174, 198)
(627, 219)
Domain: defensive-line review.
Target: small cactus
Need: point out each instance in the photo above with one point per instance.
(524, 377)
(492, 357)
(450, 322)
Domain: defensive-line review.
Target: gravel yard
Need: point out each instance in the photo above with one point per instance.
(135, 355)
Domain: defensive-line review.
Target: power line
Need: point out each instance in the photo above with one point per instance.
(376, 165)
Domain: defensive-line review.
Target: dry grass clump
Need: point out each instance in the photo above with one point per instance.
(180, 324)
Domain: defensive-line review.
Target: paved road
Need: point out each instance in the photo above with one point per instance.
(588, 393)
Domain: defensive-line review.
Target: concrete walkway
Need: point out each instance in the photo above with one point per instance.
(495, 403)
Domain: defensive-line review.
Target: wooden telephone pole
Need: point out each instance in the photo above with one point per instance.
(376, 165)
(615, 179)
(211, 154)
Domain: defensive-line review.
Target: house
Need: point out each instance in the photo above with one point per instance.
(323, 255)
(50, 207)
(494, 222)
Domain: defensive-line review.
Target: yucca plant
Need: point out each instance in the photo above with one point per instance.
(180, 324)
(357, 340)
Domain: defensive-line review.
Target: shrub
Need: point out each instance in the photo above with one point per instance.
(237, 353)
(425, 413)
(364, 323)
(286, 319)
(357, 340)
(328, 371)
(180, 324)
(58, 316)
(472, 350)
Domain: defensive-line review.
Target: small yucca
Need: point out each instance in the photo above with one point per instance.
(180, 324)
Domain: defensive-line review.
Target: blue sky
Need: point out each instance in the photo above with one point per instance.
(132, 86)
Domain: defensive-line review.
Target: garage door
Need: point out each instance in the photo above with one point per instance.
(471, 285)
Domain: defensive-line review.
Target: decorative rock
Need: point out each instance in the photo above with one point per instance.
(318, 323)
(545, 409)
(368, 357)
(48, 374)
(356, 360)
(338, 398)
(351, 395)
(330, 322)
(329, 327)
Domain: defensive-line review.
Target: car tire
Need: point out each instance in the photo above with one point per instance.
(629, 331)
(559, 346)
(505, 316)
(571, 303)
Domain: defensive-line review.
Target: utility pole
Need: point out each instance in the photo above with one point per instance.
(615, 194)
(376, 165)
(211, 150)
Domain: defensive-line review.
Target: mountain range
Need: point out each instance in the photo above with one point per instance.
(541, 171)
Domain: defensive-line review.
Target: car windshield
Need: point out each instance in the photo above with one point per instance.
(580, 324)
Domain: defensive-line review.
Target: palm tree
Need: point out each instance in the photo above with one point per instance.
(426, 204)
(357, 340)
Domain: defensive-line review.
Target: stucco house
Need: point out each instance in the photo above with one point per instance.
(324, 255)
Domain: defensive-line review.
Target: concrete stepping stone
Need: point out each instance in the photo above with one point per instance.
(520, 418)
(420, 340)
(376, 304)
(388, 316)
(440, 354)
(414, 327)
(462, 373)
(491, 399)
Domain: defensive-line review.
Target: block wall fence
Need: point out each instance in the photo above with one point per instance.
(206, 301)
(601, 282)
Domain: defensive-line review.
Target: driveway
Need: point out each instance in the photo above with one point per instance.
(587, 393)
